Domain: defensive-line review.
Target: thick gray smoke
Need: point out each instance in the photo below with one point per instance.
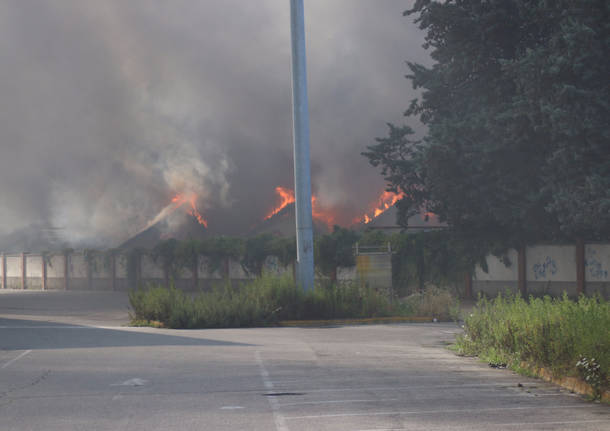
(111, 108)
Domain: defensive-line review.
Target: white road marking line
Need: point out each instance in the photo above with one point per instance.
(6, 364)
(502, 395)
(341, 379)
(231, 408)
(560, 394)
(427, 412)
(497, 425)
(70, 327)
(131, 382)
(554, 423)
(280, 421)
(398, 388)
(385, 429)
(45, 327)
(338, 401)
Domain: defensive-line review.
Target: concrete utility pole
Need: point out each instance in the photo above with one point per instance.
(300, 136)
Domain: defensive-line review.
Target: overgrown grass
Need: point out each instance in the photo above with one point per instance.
(558, 334)
(264, 301)
(434, 302)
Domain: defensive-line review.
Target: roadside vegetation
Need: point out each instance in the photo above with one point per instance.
(419, 260)
(570, 338)
(269, 300)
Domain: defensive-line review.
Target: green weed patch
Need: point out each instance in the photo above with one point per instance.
(570, 338)
(264, 301)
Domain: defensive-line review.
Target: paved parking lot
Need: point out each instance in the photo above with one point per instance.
(66, 363)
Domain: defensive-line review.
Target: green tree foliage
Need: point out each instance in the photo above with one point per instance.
(133, 257)
(166, 254)
(259, 247)
(373, 237)
(516, 106)
(335, 250)
(285, 249)
(440, 258)
(219, 249)
(174, 255)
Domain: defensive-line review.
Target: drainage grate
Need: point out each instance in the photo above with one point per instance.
(283, 394)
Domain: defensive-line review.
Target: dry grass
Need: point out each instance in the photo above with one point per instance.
(434, 302)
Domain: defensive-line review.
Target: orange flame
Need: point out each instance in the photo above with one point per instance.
(383, 203)
(286, 197)
(181, 199)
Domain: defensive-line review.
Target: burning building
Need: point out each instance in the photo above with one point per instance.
(182, 220)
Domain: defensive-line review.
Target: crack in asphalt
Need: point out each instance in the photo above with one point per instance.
(31, 384)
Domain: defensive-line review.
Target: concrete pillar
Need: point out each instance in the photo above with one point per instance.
(66, 270)
(166, 276)
(580, 267)
(24, 275)
(225, 268)
(468, 286)
(196, 273)
(3, 263)
(113, 270)
(138, 269)
(89, 258)
(522, 266)
(43, 272)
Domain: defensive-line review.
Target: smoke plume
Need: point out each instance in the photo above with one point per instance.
(109, 109)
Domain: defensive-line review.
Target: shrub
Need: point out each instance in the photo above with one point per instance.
(437, 257)
(434, 302)
(551, 333)
(264, 301)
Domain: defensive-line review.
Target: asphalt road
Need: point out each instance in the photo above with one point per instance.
(66, 363)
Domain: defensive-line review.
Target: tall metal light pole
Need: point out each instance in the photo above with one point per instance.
(300, 137)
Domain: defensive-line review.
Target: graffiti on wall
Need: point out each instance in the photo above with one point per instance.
(548, 267)
(595, 267)
(272, 265)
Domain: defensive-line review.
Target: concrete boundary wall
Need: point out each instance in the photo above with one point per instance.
(91, 270)
(547, 270)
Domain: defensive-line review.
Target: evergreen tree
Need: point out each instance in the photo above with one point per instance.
(516, 106)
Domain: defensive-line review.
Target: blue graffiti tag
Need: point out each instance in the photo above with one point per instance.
(540, 269)
(595, 269)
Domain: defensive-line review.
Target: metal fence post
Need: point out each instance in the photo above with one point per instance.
(3, 263)
(522, 262)
(23, 271)
(43, 274)
(580, 267)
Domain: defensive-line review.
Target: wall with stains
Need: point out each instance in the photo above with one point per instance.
(549, 270)
(55, 268)
(375, 270)
(597, 268)
(13, 271)
(502, 275)
(91, 270)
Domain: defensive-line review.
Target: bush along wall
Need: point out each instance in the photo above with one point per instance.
(568, 337)
(264, 301)
(418, 260)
